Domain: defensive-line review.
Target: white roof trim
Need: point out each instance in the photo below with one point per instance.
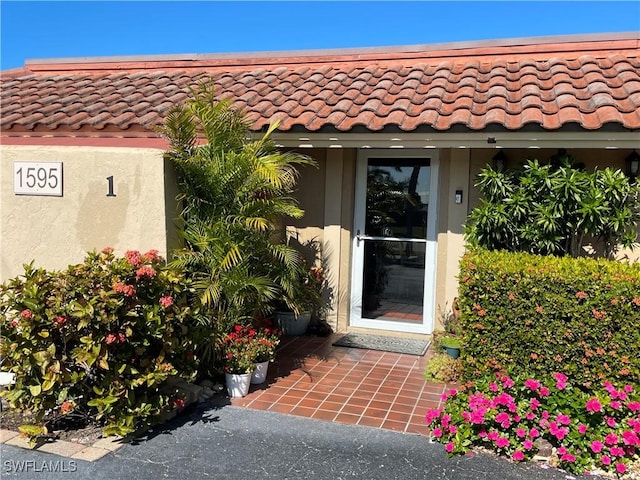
(595, 139)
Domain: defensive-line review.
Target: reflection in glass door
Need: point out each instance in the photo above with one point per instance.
(393, 266)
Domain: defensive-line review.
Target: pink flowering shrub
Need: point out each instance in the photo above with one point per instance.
(597, 429)
(97, 339)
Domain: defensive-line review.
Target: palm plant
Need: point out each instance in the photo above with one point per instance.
(234, 192)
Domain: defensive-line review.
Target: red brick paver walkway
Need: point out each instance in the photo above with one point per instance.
(311, 378)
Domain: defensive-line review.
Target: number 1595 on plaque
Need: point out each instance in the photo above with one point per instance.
(35, 178)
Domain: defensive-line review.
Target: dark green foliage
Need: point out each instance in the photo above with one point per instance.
(552, 209)
(532, 314)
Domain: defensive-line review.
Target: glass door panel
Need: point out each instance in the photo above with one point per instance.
(390, 257)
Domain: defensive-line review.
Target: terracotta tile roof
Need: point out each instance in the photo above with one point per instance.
(549, 85)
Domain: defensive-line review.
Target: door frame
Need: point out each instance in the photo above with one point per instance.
(357, 253)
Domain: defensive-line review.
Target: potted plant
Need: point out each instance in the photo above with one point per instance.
(239, 359)
(301, 297)
(265, 342)
(451, 345)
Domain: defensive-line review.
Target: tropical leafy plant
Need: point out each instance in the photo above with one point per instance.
(554, 208)
(235, 191)
(97, 340)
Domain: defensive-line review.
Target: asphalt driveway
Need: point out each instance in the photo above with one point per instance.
(239, 443)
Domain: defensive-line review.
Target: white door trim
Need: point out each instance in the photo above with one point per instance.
(355, 313)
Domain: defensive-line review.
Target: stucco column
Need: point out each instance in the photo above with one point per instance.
(332, 228)
(456, 217)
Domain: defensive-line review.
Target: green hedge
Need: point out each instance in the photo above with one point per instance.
(537, 315)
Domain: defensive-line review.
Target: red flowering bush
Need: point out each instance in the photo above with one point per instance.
(591, 431)
(239, 351)
(245, 346)
(97, 339)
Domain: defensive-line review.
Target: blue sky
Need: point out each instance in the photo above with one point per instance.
(50, 29)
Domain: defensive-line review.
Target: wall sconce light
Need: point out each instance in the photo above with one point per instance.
(458, 197)
(632, 163)
(499, 161)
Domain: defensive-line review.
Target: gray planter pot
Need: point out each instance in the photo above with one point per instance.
(292, 325)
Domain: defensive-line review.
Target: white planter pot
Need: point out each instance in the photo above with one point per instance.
(259, 375)
(237, 384)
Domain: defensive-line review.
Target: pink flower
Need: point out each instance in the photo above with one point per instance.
(628, 388)
(535, 403)
(611, 439)
(617, 451)
(493, 387)
(60, 320)
(521, 432)
(560, 377)
(502, 442)
(507, 382)
(597, 446)
(606, 460)
(493, 435)
(503, 419)
(630, 438)
(611, 422)
(633, 406)
(620, 468)
(437, 432)
(432, 415)
(26, 314)
(133, 257)
(530, 416)
(581, 295)
(544, 391)
(527, 444)
(518, 456)
(533, 433)
(615, 405)
(582, 428)
(151, 256)
(532, 384)
(107, 250)
(562, 450)
(166, 301)
(453, 429)
(449, 447)
(126, 290)
(593, 405)
(477, 416)
(145, 271)
(110, 338)
(567, 457)
(563, 419)
(15, 322)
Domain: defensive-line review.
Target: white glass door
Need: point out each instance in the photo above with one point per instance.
(394, 242)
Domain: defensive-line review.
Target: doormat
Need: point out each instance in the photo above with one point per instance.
(410, 346)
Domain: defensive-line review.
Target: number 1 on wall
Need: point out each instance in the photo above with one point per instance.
(110, 187)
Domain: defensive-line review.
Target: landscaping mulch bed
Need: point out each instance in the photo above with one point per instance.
(68, 429)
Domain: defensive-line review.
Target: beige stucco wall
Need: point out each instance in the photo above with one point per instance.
(58, 231)
(454, 176)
